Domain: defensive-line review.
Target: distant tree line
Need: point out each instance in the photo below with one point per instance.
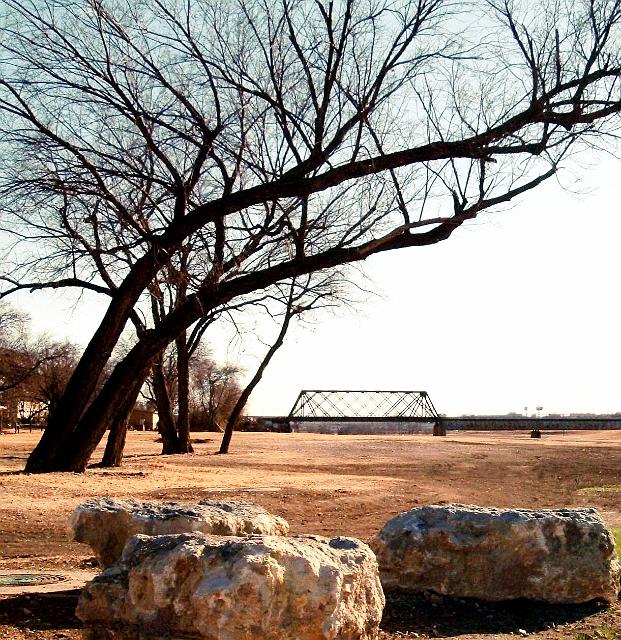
(34, 371)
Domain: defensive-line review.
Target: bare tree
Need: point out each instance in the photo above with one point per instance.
(33, 369)
(159, 383)
(54, 373)
(288, 137)
(215, 390)
(169, 289)
(305, 294)
(244, 396)
(18, 363)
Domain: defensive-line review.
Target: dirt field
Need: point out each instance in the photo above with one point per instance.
(323, 484)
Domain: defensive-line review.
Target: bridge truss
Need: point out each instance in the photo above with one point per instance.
(368, 406)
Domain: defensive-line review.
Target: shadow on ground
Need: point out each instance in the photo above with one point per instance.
(426, 614)
(41, 611)
(431, 614)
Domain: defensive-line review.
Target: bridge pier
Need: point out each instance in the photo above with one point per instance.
(439, 428)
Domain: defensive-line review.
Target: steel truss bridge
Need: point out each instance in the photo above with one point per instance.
(364, 406)
(340, 406)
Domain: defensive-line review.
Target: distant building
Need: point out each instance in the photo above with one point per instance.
(142, 419)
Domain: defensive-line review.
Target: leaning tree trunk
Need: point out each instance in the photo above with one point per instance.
(183, 393)
(113, 454)
(89, 431)
(50, 451)
(243, 398)
(92, 427)
(166, 422)
(135, 365)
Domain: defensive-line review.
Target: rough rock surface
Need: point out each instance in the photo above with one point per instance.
(106, 524)
(561, 555)
(218, 588)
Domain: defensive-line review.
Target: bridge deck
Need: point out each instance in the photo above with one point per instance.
(478, 423)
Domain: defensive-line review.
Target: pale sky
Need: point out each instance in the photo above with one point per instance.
(518, 309)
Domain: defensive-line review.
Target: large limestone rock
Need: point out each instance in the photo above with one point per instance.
(106, 524)
(254, 588)
(562, 555)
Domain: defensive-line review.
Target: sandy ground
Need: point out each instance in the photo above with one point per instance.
(325, 484)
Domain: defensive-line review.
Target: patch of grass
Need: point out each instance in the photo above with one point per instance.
(617, 534)
(605, 633)
(607, 488)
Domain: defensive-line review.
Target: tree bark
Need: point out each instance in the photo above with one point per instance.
(135, 365)
(183, 393)
(243, 398)
(166, 424)
(113, 455)
(83, 381)
(100, 413)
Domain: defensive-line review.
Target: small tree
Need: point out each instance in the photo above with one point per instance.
(18, 362)
(305, 294)
(215, 389)
(54, 373)
(33, 370)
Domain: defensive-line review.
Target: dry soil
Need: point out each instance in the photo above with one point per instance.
(348, 485)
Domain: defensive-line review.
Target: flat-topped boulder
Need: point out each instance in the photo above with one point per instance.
(107, 524)
(230, 588)
(556, 555)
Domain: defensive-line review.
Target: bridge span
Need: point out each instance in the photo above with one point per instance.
(443, 425)
(516, 423)
(381, 411)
